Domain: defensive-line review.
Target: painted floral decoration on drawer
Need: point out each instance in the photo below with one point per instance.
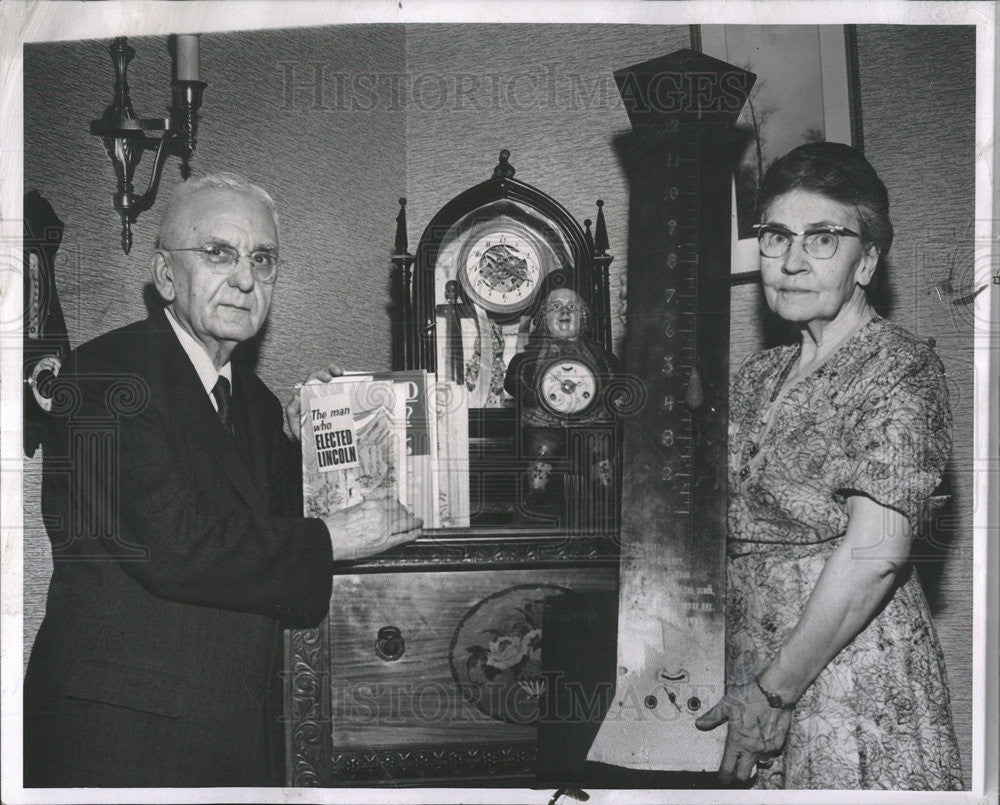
(496, 653)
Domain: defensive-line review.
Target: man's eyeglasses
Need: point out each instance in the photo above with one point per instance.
(222, 258)
(821, 242)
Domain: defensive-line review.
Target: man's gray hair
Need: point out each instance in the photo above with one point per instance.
(213, 181)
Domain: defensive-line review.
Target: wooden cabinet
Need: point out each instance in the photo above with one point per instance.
(430, 674)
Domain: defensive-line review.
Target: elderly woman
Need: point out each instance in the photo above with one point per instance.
(836, 677)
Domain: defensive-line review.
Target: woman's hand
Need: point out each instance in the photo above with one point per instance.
(757, 731)
(293, 408)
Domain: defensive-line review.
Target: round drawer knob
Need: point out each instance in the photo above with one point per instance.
(389, 645)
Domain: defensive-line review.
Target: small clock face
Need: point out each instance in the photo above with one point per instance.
(567, 387)
(502, 271)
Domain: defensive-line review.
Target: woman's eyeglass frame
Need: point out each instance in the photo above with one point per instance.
(228, 258)
(810, 242)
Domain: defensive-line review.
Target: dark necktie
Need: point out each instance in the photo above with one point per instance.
(224, 399)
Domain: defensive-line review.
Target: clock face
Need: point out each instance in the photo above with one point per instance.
(567, 387)
(501, 271)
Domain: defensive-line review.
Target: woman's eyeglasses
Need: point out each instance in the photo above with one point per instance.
(222, 258)
(821, 242)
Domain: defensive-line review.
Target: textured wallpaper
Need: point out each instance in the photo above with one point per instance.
(918, 103)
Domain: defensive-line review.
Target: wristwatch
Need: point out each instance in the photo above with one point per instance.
(774, 699)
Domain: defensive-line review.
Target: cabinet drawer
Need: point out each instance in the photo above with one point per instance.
(466, 663)
(425, 676)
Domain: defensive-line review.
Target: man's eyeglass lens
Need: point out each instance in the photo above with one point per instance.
(819, 243)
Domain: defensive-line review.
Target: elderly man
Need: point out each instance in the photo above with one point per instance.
(170, 496)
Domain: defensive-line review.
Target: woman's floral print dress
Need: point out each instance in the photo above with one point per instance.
(872, 420)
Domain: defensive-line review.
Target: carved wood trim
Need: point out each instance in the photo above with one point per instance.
(461, 762)
(460, 548)
(307, 705)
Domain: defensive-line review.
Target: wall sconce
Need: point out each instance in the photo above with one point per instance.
(126, 135)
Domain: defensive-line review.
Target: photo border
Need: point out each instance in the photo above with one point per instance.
(27, 22)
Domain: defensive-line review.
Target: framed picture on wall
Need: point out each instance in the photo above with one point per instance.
(806, 91)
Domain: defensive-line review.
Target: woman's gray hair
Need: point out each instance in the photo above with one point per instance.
(213, 181)
(842, 174)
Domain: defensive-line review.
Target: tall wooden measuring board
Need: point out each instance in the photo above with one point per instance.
(671, 620)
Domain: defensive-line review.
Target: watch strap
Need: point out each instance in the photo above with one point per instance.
(774, 699)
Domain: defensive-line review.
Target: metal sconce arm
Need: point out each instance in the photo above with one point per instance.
(126, 136)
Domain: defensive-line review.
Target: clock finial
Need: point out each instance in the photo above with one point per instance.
(402, 242)
(601, 231)
(588, 236)
(504, 170)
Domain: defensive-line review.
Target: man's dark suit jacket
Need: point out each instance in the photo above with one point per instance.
(177, 557)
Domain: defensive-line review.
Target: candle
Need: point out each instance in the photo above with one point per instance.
(187, 57)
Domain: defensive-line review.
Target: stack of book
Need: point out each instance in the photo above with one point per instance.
(389, 435)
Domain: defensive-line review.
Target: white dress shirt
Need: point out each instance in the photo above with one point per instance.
(203, 365)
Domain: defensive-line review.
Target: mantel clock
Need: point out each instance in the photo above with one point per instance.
(471, 303)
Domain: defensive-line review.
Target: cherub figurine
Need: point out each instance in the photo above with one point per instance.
(561, 384)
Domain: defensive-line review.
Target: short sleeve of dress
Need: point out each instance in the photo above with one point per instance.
(897, 439)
